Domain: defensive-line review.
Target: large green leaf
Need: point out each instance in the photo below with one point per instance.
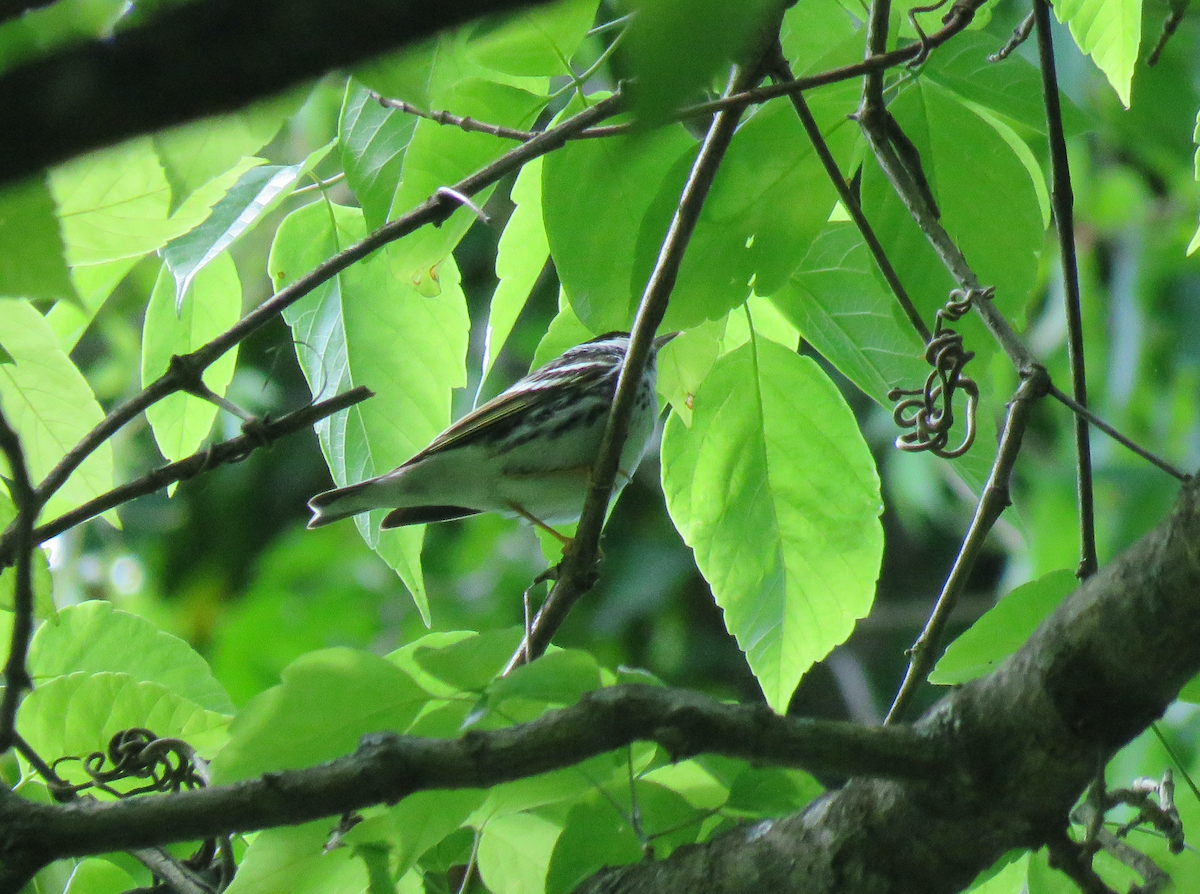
(96, 876)
(775, 490)
(1002, 629)
(94, 637)
(520, 258)
(293, 860)
(49, 404)
(532, 42)
(193, 154)
(440, 156)
(327, 701)
(31, 247)
(79, 713)
(418, 823)
(257, 192)
(1110, 31)
(113, 203)
(364, 327)
(771, 194)
(596, 253)
(967, 163)
(713, 37)
(372, 140)
(840, 306)
(514, 852)
(181, 421)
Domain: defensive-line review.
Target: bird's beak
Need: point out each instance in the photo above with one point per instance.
(661, 340)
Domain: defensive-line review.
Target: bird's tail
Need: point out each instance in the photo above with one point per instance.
(342, 502)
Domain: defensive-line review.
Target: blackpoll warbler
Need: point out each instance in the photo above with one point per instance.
(527, 452)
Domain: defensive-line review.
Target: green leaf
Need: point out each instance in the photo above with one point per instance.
(595, 835)
(663, 75)
(94, 283)
(420, 821)
(520, 258)
(514, 852)
(771, 791)
(684, 363)
(181, 421)
(1011, 89)
(767, 322)
(596, 255)
(1110, 31)
(440, 156)
(557, 678)
(258, 192)
(79, 713)
(293, 860)
(193, 154)
(967, 163)
(372, 140)
(775, 491)
(31, 247)
(96, 876)
(113, 203)
(50, 405)
(770, 195)
(1002, 629)
(95, 637)
(842, 309)
(326, 702)
(532, 42)
(469, 665)
(366, 328)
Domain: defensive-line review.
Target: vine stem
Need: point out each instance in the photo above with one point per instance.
(1064, 221)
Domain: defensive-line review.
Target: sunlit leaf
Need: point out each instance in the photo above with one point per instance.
(49, 404)
(257, 192)
(775, 491)
(181, 421)
(514, 852)
(365, 327)
(31, 247)
(327, 701)
(532, 42)
(372, 140)
(1110, 31)
(94, 637)
(293, 860)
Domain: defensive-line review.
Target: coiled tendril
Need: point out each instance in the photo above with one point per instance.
(929, 411)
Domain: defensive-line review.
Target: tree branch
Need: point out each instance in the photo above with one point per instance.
(1027, 740)
(262, 434)
(387, 767)
(992, 503)
(1064, 220)
(16, 674)
(197, 59)
(576, 573)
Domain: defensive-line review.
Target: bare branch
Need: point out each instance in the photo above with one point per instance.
(16, 674)
(994, 501)
(387, 767)
(1064, 220)
(259, 434)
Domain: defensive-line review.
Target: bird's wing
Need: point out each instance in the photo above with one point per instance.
(479, 422)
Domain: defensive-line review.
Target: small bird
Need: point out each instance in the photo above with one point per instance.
(528, 452)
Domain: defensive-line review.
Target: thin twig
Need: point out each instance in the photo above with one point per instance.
(433, 210)
(260, 434)
(16, 674)
(1019, 36)
(994, 501)
(781, 71)
(1084, 413)
(578, 568)
(1064, 220)
(1170, 24)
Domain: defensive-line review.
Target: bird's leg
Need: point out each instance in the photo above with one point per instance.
(534, 520)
